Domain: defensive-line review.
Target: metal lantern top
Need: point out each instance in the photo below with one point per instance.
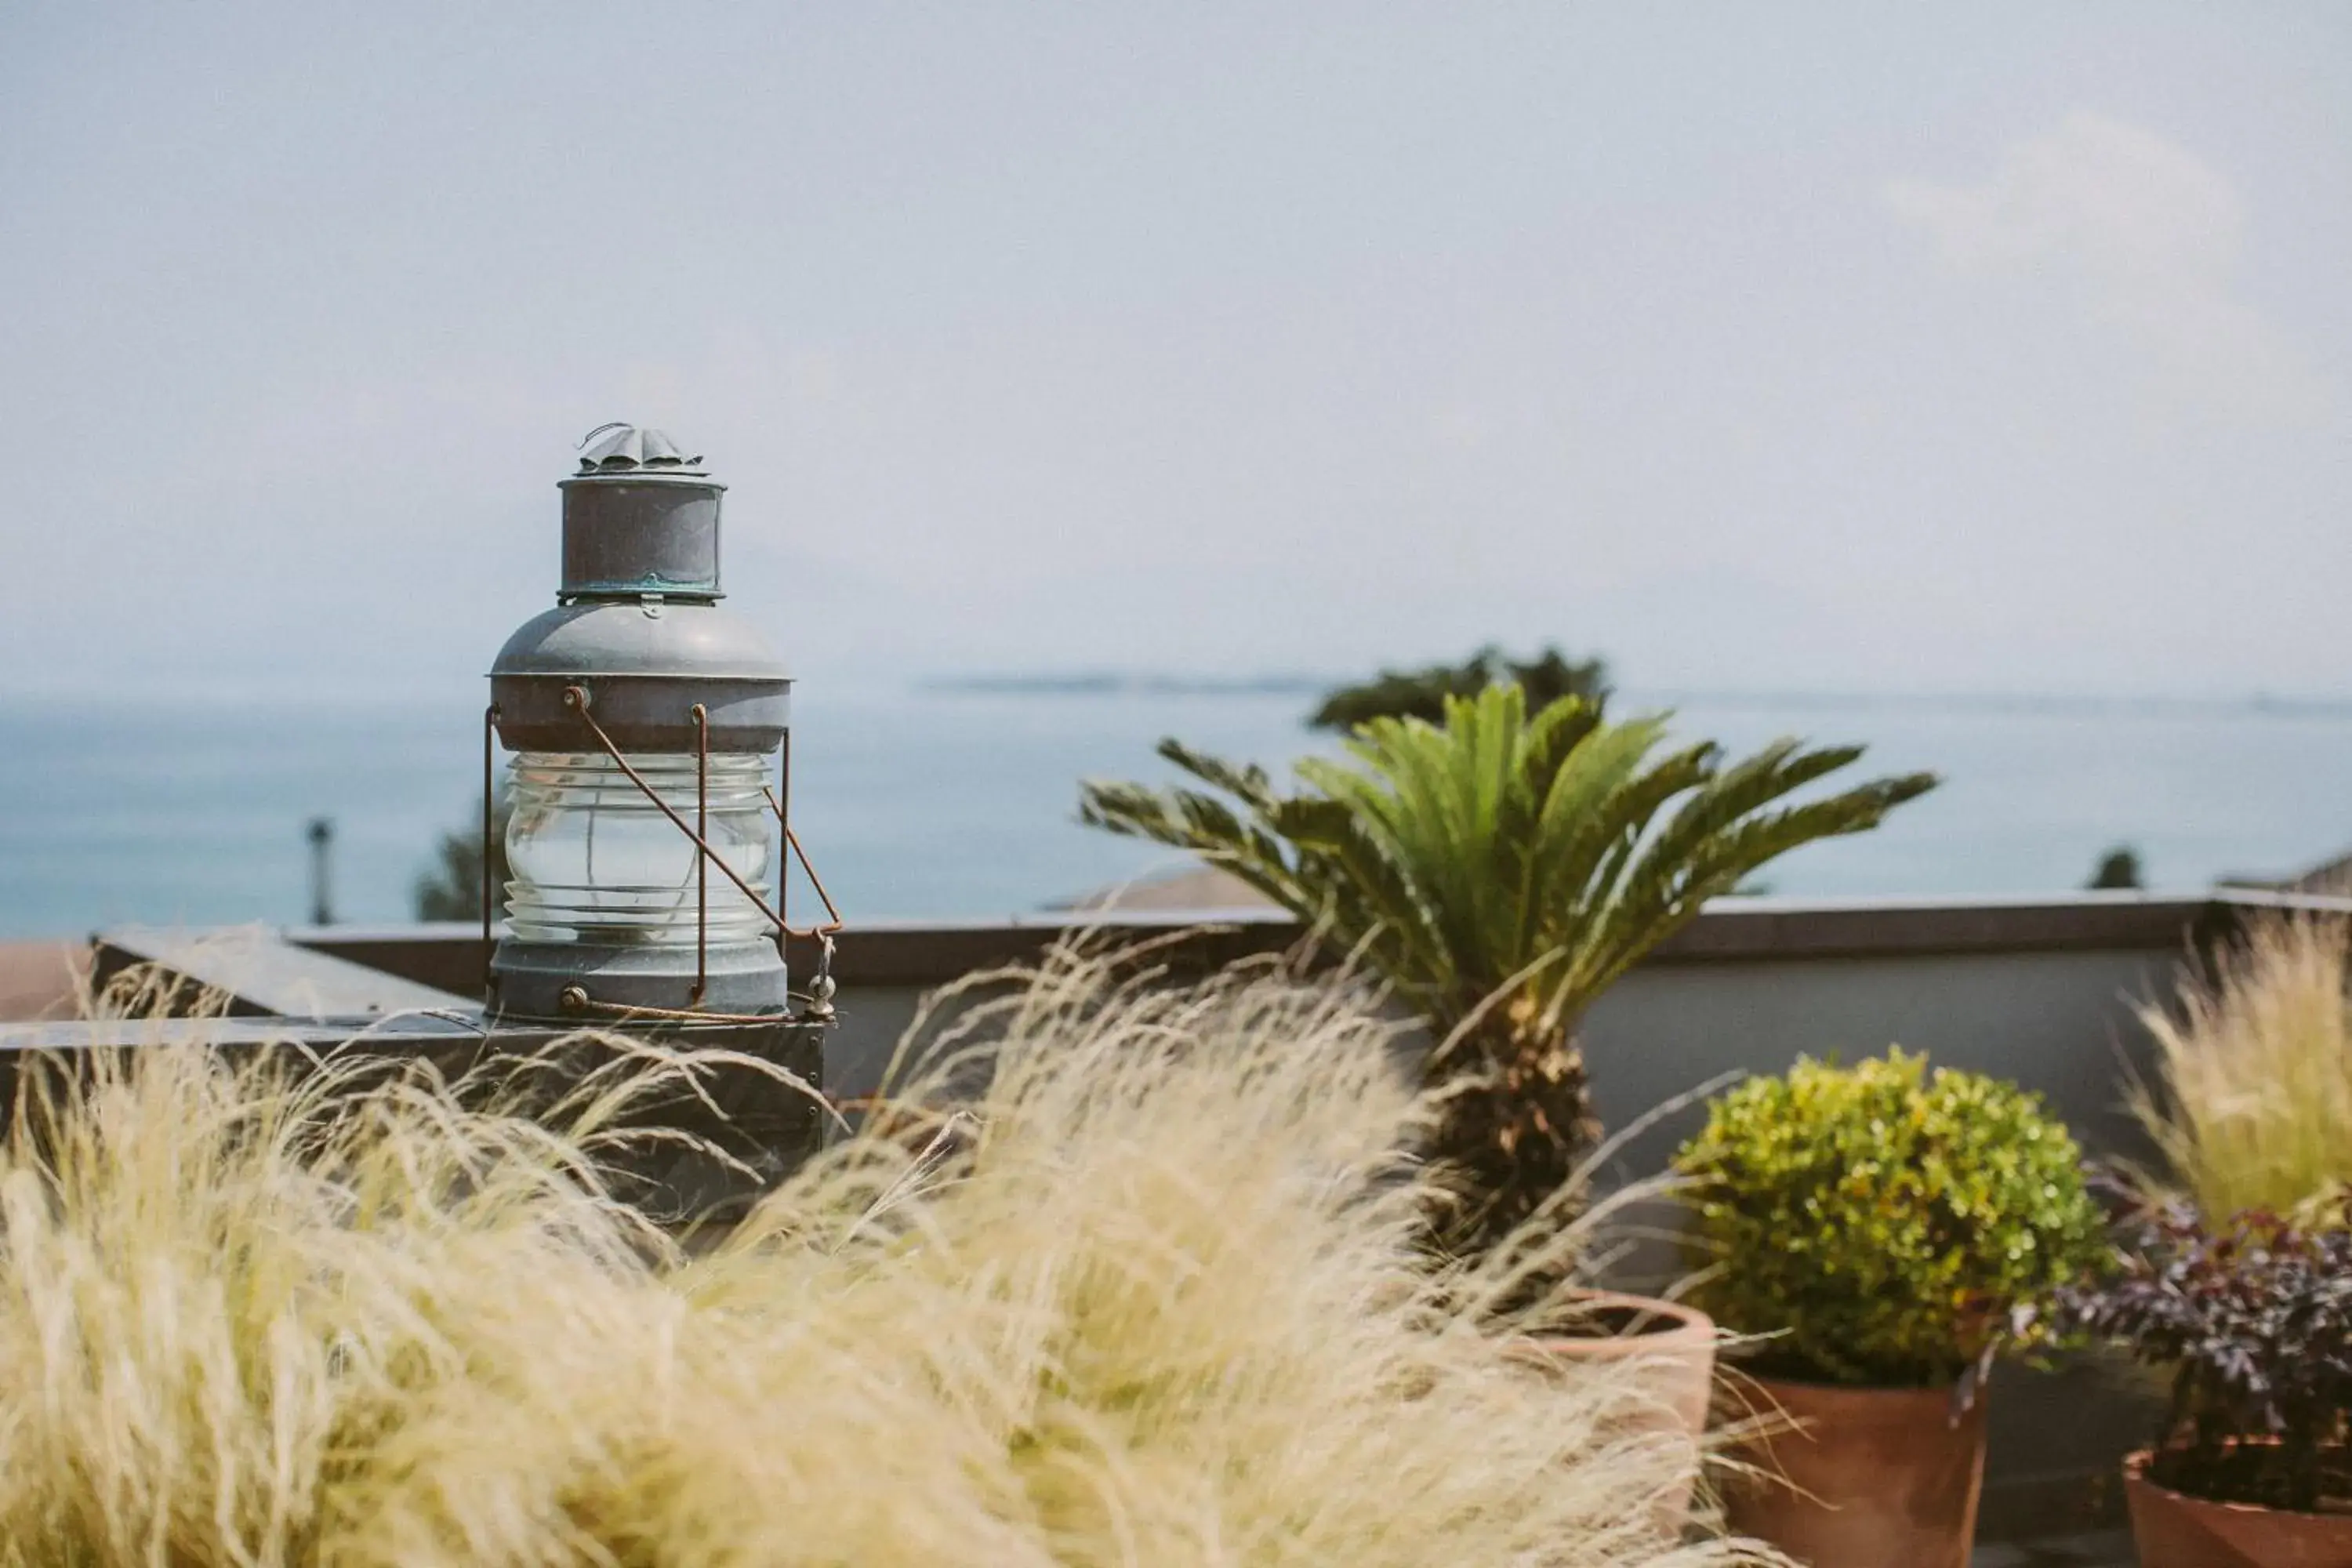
(636, 639)
(640, 517)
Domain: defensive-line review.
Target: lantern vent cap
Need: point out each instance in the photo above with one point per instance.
(620, 448)
(640, 518)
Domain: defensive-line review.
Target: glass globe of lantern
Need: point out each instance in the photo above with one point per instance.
(594, 859)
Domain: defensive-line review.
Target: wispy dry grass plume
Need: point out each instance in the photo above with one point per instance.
(2252, 1106)
(1150, 1299)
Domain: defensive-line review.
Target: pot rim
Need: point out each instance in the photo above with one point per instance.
(1667, 1320)
(2135, 1465)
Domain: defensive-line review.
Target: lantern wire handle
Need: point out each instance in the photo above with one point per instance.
(793, 841)
(820, 1009)
(582, 444)
(576, 699)
(782, 799)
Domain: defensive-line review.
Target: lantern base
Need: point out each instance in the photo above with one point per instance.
(529, 980)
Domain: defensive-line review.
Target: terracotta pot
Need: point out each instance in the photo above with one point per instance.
(2172, 1529)
(1667, 1351)
(1862, 1477)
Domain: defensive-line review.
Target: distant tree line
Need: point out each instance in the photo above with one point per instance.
(2117, 868)
(1422, 693)
(452, 889)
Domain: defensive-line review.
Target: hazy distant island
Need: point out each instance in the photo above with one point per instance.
(1150, 683)
(1114, 683)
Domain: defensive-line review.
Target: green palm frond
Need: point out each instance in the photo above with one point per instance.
(1537, 855)
(1499, 837)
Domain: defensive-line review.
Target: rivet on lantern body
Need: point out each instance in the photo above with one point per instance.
(642, 716)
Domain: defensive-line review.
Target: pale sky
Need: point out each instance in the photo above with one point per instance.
(1983, 347)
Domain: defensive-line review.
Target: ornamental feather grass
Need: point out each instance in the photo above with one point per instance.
(2252, 1103)
(1149, 1298)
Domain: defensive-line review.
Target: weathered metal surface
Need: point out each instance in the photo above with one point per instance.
(645, 668)
(529, 979)
(260, 974)
(641, 517)
(753, 1121)
(231, 1035)
(626, 537)
(619, 447)
(635, 623)
(449, 955)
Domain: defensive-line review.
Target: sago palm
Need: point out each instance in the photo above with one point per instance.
(1500, 870)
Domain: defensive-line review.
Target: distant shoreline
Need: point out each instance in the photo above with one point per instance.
(1100, 683)
(168, 708)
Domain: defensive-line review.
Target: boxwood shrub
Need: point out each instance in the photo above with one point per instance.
(1888, 1223)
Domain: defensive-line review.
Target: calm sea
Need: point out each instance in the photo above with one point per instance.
(919, 802)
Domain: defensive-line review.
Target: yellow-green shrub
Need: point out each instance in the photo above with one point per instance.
(1883, 1219)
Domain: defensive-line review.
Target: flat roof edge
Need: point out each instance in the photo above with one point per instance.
(921, 953)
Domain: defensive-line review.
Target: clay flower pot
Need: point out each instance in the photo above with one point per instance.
(2172, 1529)
(1667, 1352)
(1862, 1477)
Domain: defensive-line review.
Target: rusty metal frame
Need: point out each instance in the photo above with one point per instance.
(793, 840)
(576, 699)
(782, 800)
